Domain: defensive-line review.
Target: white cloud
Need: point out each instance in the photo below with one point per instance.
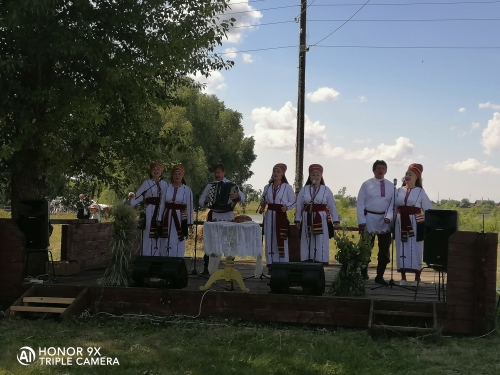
(244, 15)
(214, 82)
(462, 110)
(231, 52)
(489, 105)
(247, 58)
(362, 140)
(362, 99)
(475, 126)
(398, 153)
(277, 130)
(491, 135)
(323, 94)
(473, 166)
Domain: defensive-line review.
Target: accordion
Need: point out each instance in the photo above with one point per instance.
(219, 196)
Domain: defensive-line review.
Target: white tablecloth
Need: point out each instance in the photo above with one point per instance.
(232, 239)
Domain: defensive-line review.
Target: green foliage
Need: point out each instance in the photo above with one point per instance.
(123, 239)
(352, 256)
(81, 83)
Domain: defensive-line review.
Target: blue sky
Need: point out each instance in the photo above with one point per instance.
(439, 107)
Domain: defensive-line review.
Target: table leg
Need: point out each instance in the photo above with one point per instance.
(229, 274)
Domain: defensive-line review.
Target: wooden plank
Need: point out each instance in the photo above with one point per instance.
(59, 300)
(403, 329)
(78, 305)
(58, 310)
(19, 301)
(403, 313)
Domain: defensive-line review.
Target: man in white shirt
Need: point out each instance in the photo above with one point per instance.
(219, 175)
(373, 201)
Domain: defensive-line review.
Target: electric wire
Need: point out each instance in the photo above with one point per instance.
(315, 44)
(374, 20)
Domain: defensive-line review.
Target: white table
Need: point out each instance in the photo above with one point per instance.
(231, 239)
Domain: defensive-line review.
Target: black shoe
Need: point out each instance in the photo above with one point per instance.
(380, 280)
(204, 272)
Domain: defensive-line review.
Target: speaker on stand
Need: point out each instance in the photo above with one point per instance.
(309, 276)
(171, 270)
(34, 223)
(439, 226)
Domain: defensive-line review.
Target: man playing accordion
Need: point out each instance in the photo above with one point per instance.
(223, 214)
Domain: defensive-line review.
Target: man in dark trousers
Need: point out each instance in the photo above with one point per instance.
(373, 201)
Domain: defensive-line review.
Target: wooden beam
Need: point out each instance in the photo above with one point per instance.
(60, 300)
(78, 305)
(58, 310)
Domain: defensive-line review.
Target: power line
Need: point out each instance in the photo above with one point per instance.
(405, 4)
(374, 20)
(367, 1)
(367, 47)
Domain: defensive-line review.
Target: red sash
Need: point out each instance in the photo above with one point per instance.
(406, 228)
(313, 217)
(281, 227)
(170, 209)
(153, 230)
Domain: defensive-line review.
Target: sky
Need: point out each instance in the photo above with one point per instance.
(372, 91)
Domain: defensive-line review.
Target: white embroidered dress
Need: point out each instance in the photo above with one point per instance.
(409, 253)
(176, 195)
(315, 246)
(150, 246)
(282, 195)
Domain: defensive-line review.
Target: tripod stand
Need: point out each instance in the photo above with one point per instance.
(391, 282)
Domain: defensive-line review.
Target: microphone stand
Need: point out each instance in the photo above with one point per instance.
(143, 195)
(196, 222)
(391, 282)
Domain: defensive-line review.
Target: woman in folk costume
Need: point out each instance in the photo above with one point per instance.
(278, 197)
(176, 213)
(411, 201)
(149, 194)
(317, 212)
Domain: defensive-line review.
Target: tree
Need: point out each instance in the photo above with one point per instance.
(81, 82)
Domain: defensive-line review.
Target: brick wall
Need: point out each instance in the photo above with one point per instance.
(87, 243)
(471, 284)
(12, 258)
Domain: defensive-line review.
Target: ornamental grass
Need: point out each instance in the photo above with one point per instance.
(122, 242)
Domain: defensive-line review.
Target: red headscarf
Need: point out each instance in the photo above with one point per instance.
(283, 168)
(417, 169)
(315, 168)
(179, 168)
(155, 164)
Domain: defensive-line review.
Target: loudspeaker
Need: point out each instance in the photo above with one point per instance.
(33, 221)
(310, 276)
(173, 270)
(439, 226)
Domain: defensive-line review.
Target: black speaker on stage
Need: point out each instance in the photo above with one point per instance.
(310, 276)
(33, 221)
(173, 270)
(439, 226)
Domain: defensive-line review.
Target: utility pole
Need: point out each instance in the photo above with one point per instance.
(299, 146)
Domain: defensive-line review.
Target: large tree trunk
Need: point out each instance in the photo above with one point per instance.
(27, 180)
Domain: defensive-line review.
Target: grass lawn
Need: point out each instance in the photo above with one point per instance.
(183, 346)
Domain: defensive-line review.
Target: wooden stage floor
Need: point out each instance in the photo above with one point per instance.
(427, 292)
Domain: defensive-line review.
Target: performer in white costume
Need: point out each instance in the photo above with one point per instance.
(411, 201)
(176, 213)
(150, 194)
(278, 197)
(373, 201)
(219, 175)
(316, 210)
